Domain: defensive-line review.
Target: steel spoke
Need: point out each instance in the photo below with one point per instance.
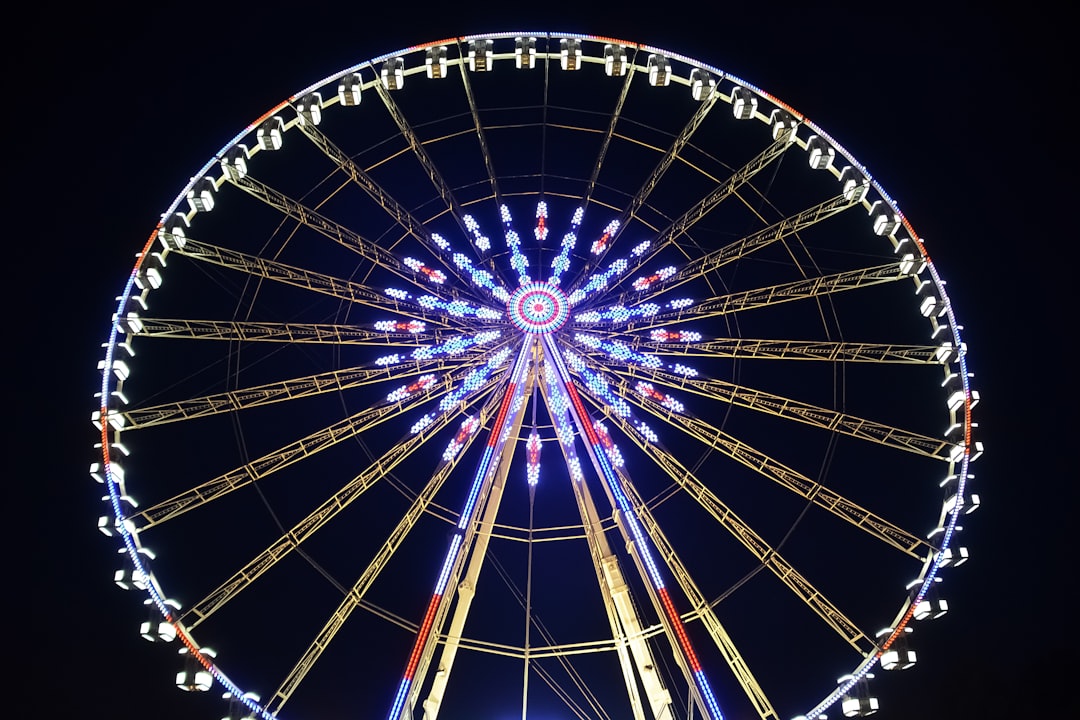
(771, 295)
(783, 407)
(310, 280)
(281, 458)
(753, 542)
(283, 332)
(401, 215)
(292, 389)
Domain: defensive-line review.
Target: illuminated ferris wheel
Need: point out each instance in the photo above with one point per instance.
(540, 374)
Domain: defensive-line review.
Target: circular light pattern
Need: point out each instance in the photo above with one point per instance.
(538, 308)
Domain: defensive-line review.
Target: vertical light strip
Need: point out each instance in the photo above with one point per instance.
(615, 486)
(483, 474)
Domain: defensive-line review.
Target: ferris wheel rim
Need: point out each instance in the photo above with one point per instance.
(131, 540)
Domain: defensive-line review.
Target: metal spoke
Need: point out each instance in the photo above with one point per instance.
(768, 556)
(330, 508)
(324, 226)
(651, 181)
(476, 523)
(783, 407)
(422, 156)
(681, 225)
(291, 389)
(309, 280)
(700, 607)
(622, 616)
(283, 457)
(762, 297)
(731, 252)
(753, 542)
(355, 596)
(478, 128)
(790, 479)
(631, 68)
(282, 332)
(401, 215)
(821, 350)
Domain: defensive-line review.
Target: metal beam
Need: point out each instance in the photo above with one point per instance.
(783, 407)
(397, 212)
(622, 614)
(700, 607)
(287, 455)
(466, 569)
(308, 280)
(681, 225)
(280, 391)
(759, 297)
(355, 596)
(731, 252)
(753, 542)
(282, 332)
(650, 184)
(821, 350)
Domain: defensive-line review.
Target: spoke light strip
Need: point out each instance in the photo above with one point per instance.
(627, 510)
(561, 263)
(484, 471)
(518, 261)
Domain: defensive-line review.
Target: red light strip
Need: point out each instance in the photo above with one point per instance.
(421, 636)
(680, 630)
(503, 409)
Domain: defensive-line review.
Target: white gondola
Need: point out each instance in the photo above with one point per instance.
(200, 197)
(782, 121)
(743, 103)
(435, 62)
(309, 109)
(195, 677)
(150, 275)
(858, 701)
(659, 71)
(702, 84)
(156, 628)
(348, 89)
(234, 161)
(525, 52)
(853, 184)
(898, 656)
(271, 133)
(614, 60)
(819, 153)
(481, 56)
(884, 218)
(570, 54)
(393, 73)
(931, 606)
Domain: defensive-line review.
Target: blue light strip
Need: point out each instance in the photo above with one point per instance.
(633, 525)
(518, 261)
(458, 308)
(483, 475)
(561, 263)
(480, 278)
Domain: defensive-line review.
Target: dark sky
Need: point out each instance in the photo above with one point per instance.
(961, 116)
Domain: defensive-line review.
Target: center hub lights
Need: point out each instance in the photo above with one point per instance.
(538, 308)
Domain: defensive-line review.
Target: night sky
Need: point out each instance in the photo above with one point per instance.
(960, 116)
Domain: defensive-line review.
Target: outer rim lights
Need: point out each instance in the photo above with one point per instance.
(538, 308)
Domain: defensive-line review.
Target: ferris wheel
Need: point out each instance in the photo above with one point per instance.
(538, 374)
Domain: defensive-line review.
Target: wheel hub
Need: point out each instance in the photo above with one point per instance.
(538, 308)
